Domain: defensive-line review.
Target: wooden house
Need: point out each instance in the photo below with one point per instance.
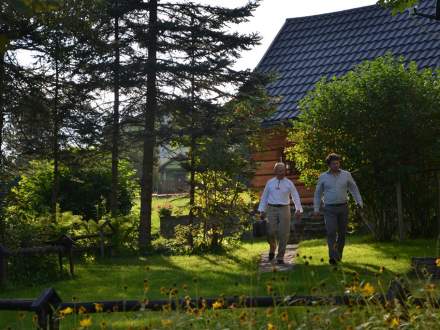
(309, 48)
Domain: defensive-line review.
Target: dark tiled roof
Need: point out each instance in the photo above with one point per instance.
(308, 48)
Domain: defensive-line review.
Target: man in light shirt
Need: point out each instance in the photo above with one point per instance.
(334, 184)
(276, 203)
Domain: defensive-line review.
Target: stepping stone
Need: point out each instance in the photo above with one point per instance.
(266, 266)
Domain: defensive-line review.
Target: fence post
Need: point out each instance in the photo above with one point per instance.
(3, 265)
(438, 202)
(44, 306)
(101, 242)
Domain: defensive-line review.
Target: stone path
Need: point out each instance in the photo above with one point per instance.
(267, 266)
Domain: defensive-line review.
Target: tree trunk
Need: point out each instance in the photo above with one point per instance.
(192, 148)
(115, 131)
(55, 146)
(2, 172)
(149, 131)
(400, 210)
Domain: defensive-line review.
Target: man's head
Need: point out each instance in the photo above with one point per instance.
(334, 162)
(280, 170)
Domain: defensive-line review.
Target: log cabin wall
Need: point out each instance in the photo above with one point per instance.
(272, 152)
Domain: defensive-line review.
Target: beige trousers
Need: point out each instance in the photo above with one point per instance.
(278, 229)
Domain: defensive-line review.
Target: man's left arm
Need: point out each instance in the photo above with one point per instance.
(354, 190)
(296, 198)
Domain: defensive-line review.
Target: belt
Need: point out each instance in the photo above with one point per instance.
(277, 205)
(335, 205)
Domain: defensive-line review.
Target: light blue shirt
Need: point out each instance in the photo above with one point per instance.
(334, 188)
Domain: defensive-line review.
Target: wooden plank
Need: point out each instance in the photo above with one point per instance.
(307, 201)
(259, 181)
(271, 155)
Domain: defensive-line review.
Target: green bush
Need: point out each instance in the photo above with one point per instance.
(84, 188)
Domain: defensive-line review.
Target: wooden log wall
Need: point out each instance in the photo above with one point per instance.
(272, 152)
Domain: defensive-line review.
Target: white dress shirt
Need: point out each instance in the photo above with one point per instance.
(277, 192)
(334, 187)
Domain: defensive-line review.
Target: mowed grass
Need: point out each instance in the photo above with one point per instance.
(231, 274)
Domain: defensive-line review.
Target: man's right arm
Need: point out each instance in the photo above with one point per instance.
(318, 195)
(264, 199)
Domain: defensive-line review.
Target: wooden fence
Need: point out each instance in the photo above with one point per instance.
(63, 247)
(47, 305)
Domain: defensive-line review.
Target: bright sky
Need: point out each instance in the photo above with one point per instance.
(271, 14)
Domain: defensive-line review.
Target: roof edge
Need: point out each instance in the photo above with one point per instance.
(271, 44)
(336, 13)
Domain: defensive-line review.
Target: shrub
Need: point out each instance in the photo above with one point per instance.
(84, 188)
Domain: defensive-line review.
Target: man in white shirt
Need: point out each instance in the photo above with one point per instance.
(275, 201)
(334, 184)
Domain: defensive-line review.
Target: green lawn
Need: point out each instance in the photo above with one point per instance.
(234, 273)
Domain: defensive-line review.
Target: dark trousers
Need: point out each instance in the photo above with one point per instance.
(336, 221)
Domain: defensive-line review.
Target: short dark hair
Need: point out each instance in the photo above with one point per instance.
(331, 157)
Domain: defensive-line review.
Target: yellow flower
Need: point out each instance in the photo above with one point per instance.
(82, 310)
(103, 325)
(269, 288)
(173, 292)
(368, 289)
(66, 311)
(437, 262)
(284, 317)
(270, 326)
(217, 305)
(167, 323)
(85, 323)
(394, 322)
(243, 317)
(99, 308)
(269, 312)
(430, 287)
(353, 289)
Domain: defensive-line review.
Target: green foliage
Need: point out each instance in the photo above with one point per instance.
(165, 210)
(383, 118)
(398, 6)
(27, 230)
(85, 189)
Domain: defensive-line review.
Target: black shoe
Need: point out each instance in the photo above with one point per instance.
(280, 262)
(271, 256)
(332, 262)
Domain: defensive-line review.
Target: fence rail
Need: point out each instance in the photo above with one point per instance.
(49, 303)
(64, 247)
